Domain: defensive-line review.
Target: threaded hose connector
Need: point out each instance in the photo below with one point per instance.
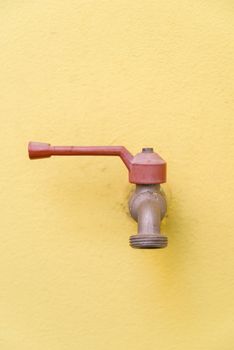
(147, 241)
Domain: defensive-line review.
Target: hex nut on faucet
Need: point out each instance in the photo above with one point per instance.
(146, 169)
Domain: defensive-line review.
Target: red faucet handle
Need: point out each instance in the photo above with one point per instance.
(146, 167)
(38, 150)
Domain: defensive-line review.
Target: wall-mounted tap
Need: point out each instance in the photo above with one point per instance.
(146, 169)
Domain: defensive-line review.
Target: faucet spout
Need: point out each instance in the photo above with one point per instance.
(148, 206)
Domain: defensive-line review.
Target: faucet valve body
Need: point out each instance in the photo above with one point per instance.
(148, 207)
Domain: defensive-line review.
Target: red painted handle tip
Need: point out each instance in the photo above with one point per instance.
(39, 150)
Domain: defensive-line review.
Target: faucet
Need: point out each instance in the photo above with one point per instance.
(147, 170)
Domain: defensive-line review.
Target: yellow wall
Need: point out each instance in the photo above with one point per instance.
(134, 73)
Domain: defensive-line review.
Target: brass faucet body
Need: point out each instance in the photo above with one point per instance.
(148, 206)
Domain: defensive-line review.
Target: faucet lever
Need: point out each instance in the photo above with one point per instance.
(146, 167)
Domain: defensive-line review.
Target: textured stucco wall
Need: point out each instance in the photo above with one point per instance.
(137, 73)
